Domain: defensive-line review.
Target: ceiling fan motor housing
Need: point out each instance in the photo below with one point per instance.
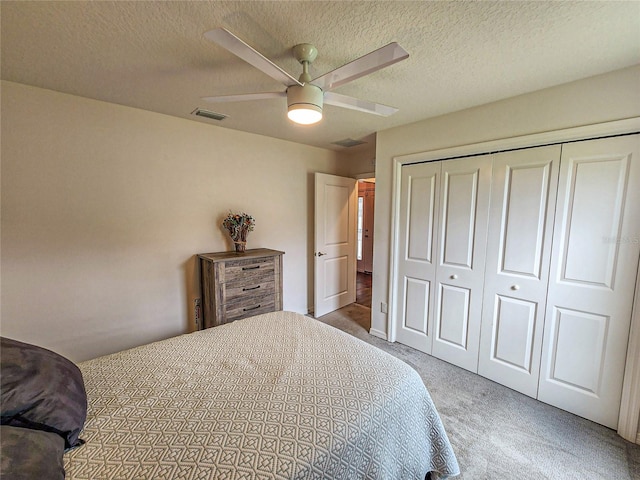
(306, 96)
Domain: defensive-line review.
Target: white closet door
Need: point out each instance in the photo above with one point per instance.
(462, 237)
(518, 253)
(593, 270)
(419, 191)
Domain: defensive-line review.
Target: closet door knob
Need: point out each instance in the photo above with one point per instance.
(453, 277)
(515, 287)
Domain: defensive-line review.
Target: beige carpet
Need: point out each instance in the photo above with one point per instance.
(498, 433)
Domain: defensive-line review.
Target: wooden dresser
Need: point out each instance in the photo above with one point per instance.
(238, 285)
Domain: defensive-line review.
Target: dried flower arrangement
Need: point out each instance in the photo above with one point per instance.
(239, 225)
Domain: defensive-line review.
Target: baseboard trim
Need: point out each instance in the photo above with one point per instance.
(378, 333)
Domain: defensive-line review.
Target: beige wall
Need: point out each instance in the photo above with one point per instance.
(358, 163)
(598, 99)
(104, 207)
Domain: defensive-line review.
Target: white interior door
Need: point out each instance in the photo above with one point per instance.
(462, 236)
(416, 270)
(593, 271)
(335, 243)
(521, 214)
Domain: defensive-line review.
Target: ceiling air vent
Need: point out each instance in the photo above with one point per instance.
(349, 142)
(208, 114)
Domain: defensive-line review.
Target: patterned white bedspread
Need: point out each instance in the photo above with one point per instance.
(276, 396)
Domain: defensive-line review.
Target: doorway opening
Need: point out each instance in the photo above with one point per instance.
(364, 252)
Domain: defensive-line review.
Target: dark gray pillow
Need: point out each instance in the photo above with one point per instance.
(41, 390)
(30, 454)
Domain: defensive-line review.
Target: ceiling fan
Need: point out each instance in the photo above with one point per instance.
(305, 96)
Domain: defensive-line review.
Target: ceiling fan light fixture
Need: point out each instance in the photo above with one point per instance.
(304, 115)
(304, 104)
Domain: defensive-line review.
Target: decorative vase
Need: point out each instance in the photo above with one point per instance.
(240, 238)
(239, 225)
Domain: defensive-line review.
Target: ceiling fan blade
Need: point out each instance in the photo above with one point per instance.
(332, 98)
(369, 63)
(228, 40)
(244, 97)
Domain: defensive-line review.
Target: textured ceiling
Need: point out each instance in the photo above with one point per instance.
(152, 55)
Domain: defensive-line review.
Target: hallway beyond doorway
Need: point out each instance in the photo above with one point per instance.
(363, 289)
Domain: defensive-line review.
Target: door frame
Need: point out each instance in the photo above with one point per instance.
(630, 406)
(365, 176)
(628, 421)
(367, 214)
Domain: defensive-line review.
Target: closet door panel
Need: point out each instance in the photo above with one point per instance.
(577, 348)
(454, 305)
(420, 217)
(419, 190)
(593, 213)
(522, 208)
(459, 208)
(514, 323)
(593, 271)
(416, 305)
(465, 187)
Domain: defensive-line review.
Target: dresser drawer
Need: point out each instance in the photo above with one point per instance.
(232, 313)
(232, 292)
(245, 270)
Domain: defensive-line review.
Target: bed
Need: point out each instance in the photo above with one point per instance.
(276, 396)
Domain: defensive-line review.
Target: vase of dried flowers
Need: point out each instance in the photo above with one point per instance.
(239, 225)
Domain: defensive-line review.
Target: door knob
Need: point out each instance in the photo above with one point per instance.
(321, 254)
(515, 287)
(453, 277)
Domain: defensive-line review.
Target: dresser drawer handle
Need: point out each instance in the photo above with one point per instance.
(252, 308)
(250, 288)
(251, 268)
